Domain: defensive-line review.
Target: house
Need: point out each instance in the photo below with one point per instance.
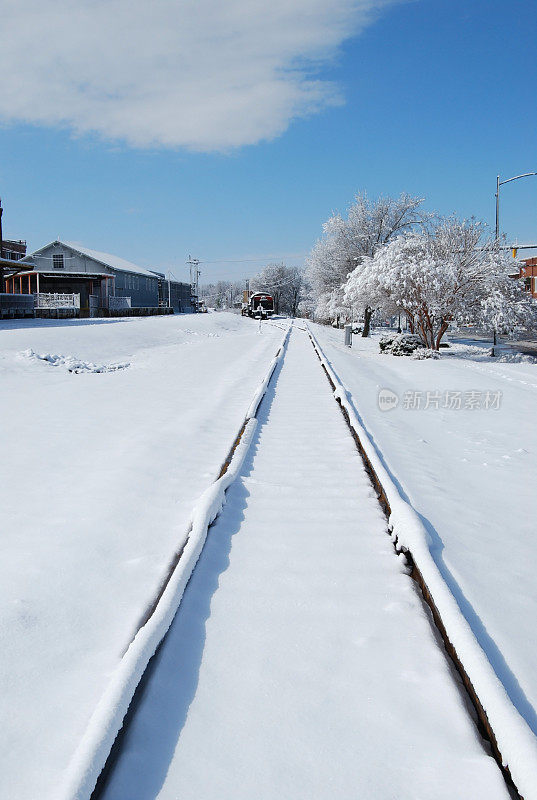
(95, 283)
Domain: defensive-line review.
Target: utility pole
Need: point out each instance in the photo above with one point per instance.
(1, 249)
(194, 278)
(1, 242)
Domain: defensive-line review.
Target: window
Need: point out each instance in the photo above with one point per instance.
(57, 260)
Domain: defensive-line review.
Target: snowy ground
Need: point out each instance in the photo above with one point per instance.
(110, 431)
(470, 470)
(301, 663)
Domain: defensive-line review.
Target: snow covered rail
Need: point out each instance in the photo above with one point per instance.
(513, 743)
(91, 757)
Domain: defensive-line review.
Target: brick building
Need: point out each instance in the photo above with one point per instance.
(13, 249)
(528, 273)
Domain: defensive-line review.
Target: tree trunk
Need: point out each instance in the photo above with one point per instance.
(425, 330)
(368, 313)
(443, 328)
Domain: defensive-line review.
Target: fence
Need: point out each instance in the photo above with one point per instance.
(43, 300)
(16, 305)
(118, 303)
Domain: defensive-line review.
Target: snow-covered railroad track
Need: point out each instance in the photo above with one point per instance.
(301, 662)
(511, 740)
(97, 747)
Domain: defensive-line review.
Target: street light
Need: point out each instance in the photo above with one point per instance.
(498, 184)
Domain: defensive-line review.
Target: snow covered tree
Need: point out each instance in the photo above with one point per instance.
(348, 242)
(223, 294)
(448, 272)
(285, 284)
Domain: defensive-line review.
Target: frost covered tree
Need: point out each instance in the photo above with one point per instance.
(448, 272)
(347, 243)
(223, 294)
(285, 284)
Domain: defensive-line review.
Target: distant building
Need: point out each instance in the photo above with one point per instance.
(14, 305)
(10, 250)
(13, 249)
(528, 273)
(100, 282)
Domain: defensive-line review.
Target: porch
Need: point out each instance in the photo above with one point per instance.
(93, 290)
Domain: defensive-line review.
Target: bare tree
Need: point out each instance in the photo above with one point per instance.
(284, 283)
(222, 295)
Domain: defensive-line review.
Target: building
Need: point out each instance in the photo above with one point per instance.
(14, 305)
(97, 283)
(10, 250)
(528, 273)
(13, 249)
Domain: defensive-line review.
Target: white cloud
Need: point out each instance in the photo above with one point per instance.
(201, 74)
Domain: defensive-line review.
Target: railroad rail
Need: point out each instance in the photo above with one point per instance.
(482, 720)
(231, 468)
(97, 750)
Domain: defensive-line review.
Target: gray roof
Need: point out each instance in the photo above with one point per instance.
(107, 259)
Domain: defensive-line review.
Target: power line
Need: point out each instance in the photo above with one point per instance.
(253, 260)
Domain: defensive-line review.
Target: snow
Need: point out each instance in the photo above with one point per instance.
(301, 662)
(107, 259)
(100, 473)
(93, 749)
(448, 271)
(72, 364)
(466, 477)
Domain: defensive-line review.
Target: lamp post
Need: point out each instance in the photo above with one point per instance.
(1, 249)
(498, 184)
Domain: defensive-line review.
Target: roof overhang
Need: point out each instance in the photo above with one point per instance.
(63, 274)
(11, 268)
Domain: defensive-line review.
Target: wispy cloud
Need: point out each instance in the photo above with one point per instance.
(200, 74)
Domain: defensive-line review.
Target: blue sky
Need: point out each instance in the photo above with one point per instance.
(432, 97)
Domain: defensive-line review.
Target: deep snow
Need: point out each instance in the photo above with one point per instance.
(99, 474)
(470, 474)
(301, 663)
